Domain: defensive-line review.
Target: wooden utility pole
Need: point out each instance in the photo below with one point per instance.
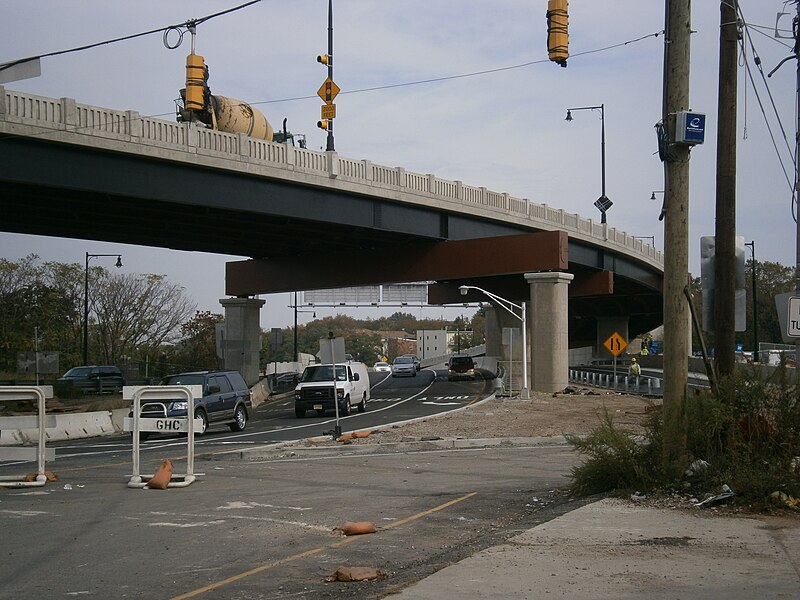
(676, 232)
(725, 229)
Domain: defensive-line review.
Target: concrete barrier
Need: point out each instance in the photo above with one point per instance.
(70, 427)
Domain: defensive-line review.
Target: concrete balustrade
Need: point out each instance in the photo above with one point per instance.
(67, 121)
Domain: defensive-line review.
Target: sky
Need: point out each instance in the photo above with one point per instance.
(465, 92)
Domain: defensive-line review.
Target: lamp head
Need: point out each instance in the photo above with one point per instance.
(569, 116)
(119, 261)
(463, 289)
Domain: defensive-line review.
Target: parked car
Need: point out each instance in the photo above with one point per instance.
(95, 378)
(460, 367)
(226, 400)
(404, 365)
(382, 367)
(415, 359)
(318, 391)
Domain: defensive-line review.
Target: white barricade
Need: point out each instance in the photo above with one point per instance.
(167, 393)
(40, 422)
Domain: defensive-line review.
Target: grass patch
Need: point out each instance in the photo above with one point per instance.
(750, 442)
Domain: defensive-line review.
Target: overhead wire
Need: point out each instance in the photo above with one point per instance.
(758, 63)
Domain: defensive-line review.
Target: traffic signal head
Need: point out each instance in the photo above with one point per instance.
(325, 124)
(196, 80)
(558, 31)
(325, 59)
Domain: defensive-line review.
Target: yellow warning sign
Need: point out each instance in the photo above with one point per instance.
(615, 344)
(328, 91)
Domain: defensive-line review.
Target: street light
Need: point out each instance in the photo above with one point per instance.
(295, 322)
(602, 203)
(510, 306)
(86, 301)
(755, 303)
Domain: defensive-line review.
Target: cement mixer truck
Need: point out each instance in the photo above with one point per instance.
(218, 112)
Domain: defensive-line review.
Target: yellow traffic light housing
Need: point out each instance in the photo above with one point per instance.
(558, 31)
(325, 124)
(196, 82)
(325, 59)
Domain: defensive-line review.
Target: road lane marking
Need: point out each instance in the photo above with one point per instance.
(282, 561)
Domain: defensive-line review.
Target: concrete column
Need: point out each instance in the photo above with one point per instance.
(606, 327)
(548, 331)
(242, 343)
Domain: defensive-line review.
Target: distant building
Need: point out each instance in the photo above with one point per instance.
(432, 342)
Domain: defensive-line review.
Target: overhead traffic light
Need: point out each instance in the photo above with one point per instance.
(325, 59)
(196, 82)
(558, 31)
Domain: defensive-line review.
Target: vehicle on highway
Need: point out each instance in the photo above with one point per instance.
(460, 367)
(404, 365)
(415, 358)
(382, 367)
(322, 385)
(95, 379)
(226, 400)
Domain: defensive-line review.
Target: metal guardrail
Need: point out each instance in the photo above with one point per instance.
(137, 424)
(40, 422)
(642, 384)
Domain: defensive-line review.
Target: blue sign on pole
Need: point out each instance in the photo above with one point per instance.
(690, 128)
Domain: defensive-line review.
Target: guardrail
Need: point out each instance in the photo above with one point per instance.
(642, 384)
(68, 121)
(40, 422)
(136, 424)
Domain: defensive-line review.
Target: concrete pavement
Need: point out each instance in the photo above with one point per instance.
(617, 549)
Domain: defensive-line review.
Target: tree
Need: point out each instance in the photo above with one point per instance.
(136, 313)
(198, 345)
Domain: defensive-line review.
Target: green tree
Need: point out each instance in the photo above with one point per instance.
(198, 345)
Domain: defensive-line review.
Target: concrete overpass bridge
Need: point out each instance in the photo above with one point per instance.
(310, 220)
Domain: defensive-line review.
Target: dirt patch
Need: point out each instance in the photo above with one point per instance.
(544, 414)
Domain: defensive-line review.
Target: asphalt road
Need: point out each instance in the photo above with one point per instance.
(256, 528)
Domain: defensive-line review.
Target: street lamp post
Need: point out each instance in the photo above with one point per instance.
(602, 203)
(509, 306)
(295, 323)
(86, 301)
(755, 303)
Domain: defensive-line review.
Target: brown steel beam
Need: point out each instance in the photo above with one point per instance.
(483, 257)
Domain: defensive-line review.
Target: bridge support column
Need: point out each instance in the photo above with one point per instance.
(606, 327)
(242, 343)
(548, 331)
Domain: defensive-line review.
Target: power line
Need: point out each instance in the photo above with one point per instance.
(191, 22)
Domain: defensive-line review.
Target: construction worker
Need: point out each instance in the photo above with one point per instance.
(634, 370)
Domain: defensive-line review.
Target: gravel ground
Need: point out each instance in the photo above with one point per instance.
(575, 413)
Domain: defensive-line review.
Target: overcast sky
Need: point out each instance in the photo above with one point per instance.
(504, 129)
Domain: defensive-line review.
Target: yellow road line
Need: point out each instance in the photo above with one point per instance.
(288, 559)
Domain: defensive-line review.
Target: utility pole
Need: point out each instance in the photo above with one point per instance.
(725, 228)
(677, 44)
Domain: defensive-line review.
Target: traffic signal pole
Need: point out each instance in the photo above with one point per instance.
(329, 145)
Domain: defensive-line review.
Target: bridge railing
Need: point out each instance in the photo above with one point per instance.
(72, 122)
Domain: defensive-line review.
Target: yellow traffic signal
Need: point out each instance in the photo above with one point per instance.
(558, 31)
(325, 59)
(196, 80)
(325, 124)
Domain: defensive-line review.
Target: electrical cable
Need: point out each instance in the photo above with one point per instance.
(188, 23)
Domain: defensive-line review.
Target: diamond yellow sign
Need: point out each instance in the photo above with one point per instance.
(328, 91)
(615, 344)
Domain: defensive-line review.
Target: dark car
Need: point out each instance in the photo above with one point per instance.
(97, 379)
(226, 400)
(460, 367)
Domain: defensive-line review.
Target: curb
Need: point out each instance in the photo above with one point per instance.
(291, 450)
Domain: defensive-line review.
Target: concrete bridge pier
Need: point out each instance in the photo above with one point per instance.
(548, 330)
(242, 342)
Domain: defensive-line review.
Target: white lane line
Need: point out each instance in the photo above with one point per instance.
(248, 505)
